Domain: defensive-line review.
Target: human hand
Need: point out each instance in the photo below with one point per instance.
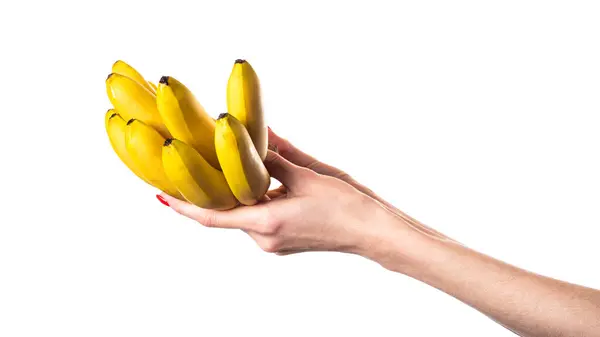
(314, 209)
(300, 158)
(321, 208)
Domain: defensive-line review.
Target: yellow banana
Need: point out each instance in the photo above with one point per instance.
(133, 101)
(241, 164)
(244, 102)
(120, 67)
(144, 146)
(115, 128)
(197, 181)
(154, 88)
(186, 119)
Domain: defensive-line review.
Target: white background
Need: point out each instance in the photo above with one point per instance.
(477, 118)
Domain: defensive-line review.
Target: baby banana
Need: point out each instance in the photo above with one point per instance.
(197, 181)
(115, 128)
(120, 67)
(133, 101)
(186, 119)
(244, 102)
(241, 164)
(144, 146)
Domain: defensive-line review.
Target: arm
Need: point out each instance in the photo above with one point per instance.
(321, 208)
(523, 302)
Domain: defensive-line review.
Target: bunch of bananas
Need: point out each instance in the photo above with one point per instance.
(166, 138)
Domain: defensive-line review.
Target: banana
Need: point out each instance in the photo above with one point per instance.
(154, 88)
(197, 181)
(115, 128)
(244, 102)
(186, 119)
(144, 147)
(133, 101)
(241, 163)
(120, 67)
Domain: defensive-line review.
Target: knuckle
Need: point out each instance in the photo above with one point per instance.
(270, 246)
(208, 220)
(307, 173)
(313, 166)
(269, 224)
(344, 176)
(273, 159)
(285, 148)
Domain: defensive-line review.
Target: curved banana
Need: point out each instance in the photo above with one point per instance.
(244, 102)
(154, 88)
(186, 119)
(241, 164)
(197, 181)
(115, 128)
(133, 101)
(120, 67)
(144, 146)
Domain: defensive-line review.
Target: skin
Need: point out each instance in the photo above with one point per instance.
(321, 208)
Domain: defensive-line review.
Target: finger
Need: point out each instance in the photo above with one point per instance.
(246, 218)
(280, 188)
(284, 171)
(276, 193)
(289, 151)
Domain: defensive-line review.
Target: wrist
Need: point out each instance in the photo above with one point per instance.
(398, 244)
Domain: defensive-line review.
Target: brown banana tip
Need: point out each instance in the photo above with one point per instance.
(222, 115)
(113, 115)
(130, 121)
(168, 142)
(164, 80)
(109, 75)
(240, 61)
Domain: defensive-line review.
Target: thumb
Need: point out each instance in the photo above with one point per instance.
(282, 170)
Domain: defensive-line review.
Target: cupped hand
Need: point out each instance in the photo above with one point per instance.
(317, 208)
(312, 212)
(314, 209)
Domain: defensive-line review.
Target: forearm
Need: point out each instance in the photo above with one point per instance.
(524, 302)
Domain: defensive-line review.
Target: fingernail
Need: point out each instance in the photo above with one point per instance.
(162, 200)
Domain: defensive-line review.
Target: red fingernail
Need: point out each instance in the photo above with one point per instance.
(162, 200)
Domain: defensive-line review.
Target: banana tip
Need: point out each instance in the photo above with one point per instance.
(113, 115)
(240, 61)
(168, 142)
(109, 76)
(223, 115)
(130, 121)
(164, 80)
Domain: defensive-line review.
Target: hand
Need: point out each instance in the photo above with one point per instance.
(321, 208)
(314, 209)
(296, 156)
